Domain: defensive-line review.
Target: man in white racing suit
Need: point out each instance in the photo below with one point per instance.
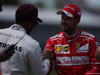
(27, 50)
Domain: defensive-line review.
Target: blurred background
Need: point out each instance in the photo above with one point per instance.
(90, 20)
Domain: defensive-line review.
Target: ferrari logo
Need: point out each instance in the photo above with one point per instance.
(77, 45)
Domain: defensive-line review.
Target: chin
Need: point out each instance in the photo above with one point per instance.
(66, 31)
(63, 29)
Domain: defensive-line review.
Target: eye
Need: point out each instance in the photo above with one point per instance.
(62, 17)
(69, 18)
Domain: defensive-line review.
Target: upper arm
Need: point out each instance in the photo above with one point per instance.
(93, 45)
(50, 46)
(97, 53)
(36, 61)
(94, 64)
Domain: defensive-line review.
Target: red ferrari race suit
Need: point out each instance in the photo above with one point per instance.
(74, 55)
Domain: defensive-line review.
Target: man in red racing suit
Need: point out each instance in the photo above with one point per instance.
(74, 55)
(73, 48)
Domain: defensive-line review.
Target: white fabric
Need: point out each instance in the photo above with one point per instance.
(28, 51)
(67, 13)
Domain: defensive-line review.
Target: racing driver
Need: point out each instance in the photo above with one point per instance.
(73, 48)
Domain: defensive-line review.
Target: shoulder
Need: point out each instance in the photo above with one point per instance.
(87, 34)
(59, 35)
(31, 41)
(30, 45)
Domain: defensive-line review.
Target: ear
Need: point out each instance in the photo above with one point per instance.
(77, 20)
(31, 24)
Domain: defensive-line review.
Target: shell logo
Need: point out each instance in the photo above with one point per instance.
(58, 49)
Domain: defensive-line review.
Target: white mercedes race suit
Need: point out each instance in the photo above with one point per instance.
(27, 51)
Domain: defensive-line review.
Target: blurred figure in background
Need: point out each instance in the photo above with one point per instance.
(4, 56)
(97, 53)
(1, 2)
(73, 48)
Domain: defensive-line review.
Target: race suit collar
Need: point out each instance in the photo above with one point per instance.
(17, 27)
(74, 37)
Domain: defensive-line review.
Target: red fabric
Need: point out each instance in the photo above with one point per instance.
(74, 55)
(74, 10)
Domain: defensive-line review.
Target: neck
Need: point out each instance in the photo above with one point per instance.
(18, 27)
(73, 33)
(25, 26)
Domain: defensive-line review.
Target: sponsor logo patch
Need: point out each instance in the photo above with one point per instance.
(65, 48)
(58, 49)
(77, 45)
(62, 49)
(74, 60)
(82, 47)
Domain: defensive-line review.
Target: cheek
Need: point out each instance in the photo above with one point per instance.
(61, 21)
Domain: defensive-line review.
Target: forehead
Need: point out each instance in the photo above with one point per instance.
(64, 15)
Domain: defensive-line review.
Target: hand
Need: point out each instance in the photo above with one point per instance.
(5, 56)
(97, 53)
(47, 54)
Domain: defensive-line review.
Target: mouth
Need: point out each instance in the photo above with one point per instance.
(63, 25)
